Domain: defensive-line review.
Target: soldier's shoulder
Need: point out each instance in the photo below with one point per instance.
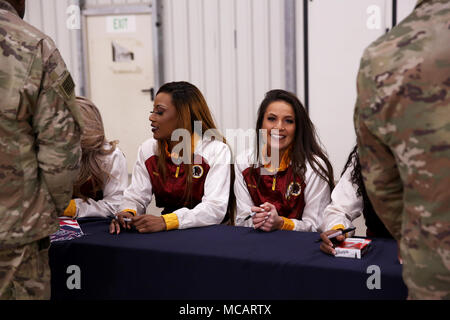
(22, 34)
(411, 36)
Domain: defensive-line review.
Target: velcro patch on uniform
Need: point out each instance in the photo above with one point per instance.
(67, 85)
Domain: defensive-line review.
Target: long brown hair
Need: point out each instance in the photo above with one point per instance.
(93, 150)
(191, 106)
(305, 147)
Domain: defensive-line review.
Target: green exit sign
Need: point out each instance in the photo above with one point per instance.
(121, 24)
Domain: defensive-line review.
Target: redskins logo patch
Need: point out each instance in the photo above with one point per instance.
(294, 189)
(197, 171)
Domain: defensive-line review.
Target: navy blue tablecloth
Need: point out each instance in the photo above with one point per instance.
(216, 263)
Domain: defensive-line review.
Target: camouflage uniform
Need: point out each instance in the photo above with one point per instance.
(39, 153)
(402, 120)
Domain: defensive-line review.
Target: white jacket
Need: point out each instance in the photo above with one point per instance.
(212, 208)
(112, 192)
(345, 205)
(316, 193)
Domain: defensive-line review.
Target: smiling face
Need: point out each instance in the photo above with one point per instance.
(164, 118)
(279, 115)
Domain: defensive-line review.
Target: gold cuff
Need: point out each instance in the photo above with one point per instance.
(71, 209)
(288, 224)
(342, 227)
(171, 221)
(133, 212)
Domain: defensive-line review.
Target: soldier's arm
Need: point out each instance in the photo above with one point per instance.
(382, 179)
(379, 169)
(57, 130)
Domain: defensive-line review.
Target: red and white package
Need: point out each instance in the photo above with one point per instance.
(352, 248)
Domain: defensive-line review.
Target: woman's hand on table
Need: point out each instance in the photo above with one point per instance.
(266, 217)
(114, 226)
(327, 245)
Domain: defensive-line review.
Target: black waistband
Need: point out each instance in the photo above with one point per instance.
(44, 243)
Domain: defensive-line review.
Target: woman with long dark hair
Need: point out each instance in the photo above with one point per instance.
(103, 174)
(290, 193)
(189, 179)
(348, 201)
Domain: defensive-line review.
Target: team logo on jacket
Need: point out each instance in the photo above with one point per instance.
(294, 189)
(197, 171)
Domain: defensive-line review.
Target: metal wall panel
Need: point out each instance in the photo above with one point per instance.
(405, 7)
(97, 3)
(245, 106)
(338, 35)
(300, 57)
(50, 16)
(232, 50)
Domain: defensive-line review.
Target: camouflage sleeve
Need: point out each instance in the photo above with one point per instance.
(379, 169)
(57, 128)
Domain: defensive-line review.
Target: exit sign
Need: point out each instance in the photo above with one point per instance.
(121, 24)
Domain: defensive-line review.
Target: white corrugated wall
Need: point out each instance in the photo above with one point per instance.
(50, 16)
(97, 3)
(232, 50)
(338, 32)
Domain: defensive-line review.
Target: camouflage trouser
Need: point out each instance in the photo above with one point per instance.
(25, 272)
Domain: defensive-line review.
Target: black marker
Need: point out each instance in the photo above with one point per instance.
(252, 214)
(124, 219)
(338, 233)
(249, 216)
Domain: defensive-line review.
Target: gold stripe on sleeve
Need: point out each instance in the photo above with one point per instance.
(71, 209)
(288, 224)
(338, 226)
(171, 220)
(133, 212)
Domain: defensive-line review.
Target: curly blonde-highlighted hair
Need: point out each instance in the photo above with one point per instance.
(94, 147)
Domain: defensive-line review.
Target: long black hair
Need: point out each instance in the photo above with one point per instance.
(373, 223)
(356, 176)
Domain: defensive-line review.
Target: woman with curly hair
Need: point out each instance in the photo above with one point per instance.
(103, 173)
(348, 200)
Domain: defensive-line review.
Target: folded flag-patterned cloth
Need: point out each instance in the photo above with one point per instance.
(69, 229)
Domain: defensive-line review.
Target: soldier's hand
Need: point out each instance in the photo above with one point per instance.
(399, 256)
